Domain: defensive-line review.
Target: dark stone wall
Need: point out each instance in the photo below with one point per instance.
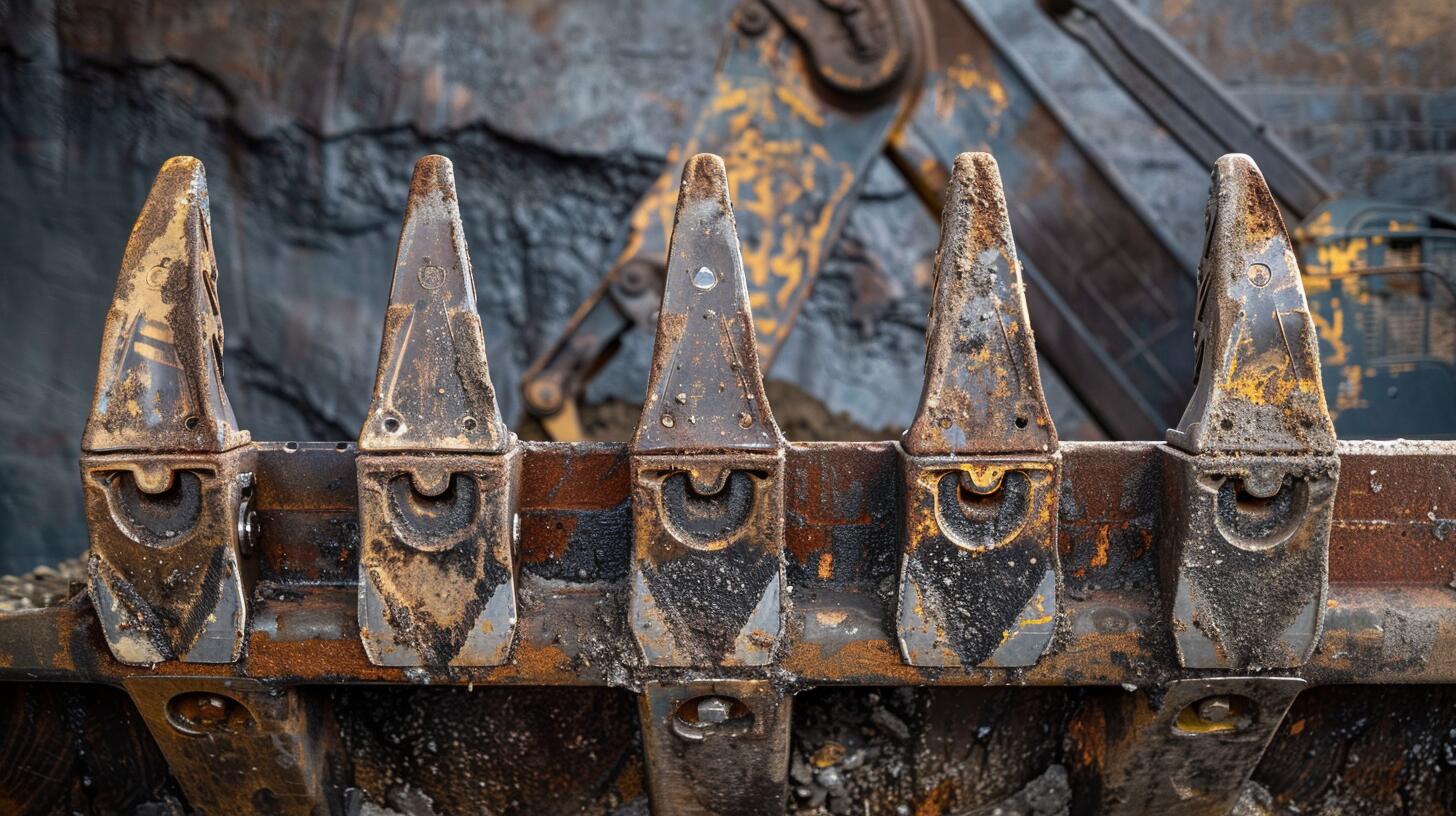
(310, 114)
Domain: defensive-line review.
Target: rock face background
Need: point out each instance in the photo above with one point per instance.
(309, 115)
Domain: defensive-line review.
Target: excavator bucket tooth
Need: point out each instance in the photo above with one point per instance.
(159, 387)
(707, 457)
(705, 390)
(982, 392)
(979, 575)
(708, 570)
(432, 390)
(1258, 374)
(1250, 470)
(166, 472)
(437, 469)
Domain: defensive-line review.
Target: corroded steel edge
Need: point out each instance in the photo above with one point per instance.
(1389, 615)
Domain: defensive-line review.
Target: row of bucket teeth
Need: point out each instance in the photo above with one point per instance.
(168, 472)
(160, 383)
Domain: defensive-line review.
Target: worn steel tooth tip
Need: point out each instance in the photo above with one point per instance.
(982, 390)
(1258, 377)
(159, 386)
(432, 391)
(705, 390)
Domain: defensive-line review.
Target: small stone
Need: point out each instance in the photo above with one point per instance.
(829, 777)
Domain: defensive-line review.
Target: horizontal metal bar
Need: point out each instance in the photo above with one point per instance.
(1390, 618)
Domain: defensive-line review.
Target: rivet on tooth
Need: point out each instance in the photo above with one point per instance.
(1259, 274)
(667, 421)
(431, 276)
(745, 420)
(705, 278)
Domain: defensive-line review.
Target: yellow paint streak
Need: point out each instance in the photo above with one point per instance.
(964, 77)
(1332, 331)
(1343, 257)
(1321, 227)
(800, 106)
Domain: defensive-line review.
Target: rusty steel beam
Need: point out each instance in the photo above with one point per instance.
(716, 570)
(1388, 609)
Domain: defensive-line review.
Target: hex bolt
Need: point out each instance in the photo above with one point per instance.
(544, 394)
(635, 277)
(1214, 709)
(210, 709)
(714, 710)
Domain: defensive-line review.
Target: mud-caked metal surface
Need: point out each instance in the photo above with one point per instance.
(1251, 469)
(1186, 751)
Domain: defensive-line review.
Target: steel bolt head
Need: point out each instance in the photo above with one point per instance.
(212, 709)
(1214, 709)
(714, 710)
(753, 19)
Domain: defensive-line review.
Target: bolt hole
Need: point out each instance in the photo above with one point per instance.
(469, 423)
(1215, 713)
(191, 423)
(1226, 423)
(711, 714)
(206, 712)
(291, 447)
(391, 425)
(341, 447)
(1251, 505)
(1021, 422)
